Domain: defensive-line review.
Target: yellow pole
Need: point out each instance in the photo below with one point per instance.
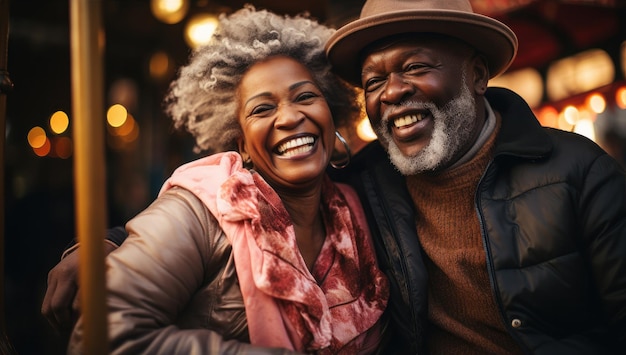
(87, 43)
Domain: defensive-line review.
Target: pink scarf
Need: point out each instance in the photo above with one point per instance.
(285, 305)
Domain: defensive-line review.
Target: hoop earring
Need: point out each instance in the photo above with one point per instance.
(344, 162)
(246, 162)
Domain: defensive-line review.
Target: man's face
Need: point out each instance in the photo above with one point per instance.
(420, 101)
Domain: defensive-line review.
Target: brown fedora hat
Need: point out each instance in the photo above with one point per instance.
(455, 18)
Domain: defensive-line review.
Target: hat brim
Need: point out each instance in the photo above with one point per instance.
(490, 37)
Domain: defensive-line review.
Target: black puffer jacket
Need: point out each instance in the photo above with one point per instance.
(552, 211)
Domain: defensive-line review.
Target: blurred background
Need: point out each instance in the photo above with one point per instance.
(570, 67)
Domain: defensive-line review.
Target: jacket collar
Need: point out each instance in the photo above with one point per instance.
(520, 134)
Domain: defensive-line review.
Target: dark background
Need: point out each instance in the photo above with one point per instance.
(38, 197)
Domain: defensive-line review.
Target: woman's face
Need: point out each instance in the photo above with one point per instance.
(288, 131)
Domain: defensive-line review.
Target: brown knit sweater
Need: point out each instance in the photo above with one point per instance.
(462, 311)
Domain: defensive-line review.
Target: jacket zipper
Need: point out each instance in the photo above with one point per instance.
(491, 271)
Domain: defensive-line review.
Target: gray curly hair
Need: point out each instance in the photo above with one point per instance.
(202, 99)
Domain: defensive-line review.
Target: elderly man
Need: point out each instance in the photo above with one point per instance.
(521, 230)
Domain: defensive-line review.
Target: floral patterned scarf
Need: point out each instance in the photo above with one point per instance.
(333, 309)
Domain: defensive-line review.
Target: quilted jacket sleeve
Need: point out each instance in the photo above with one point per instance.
(152, 277)
(603, 211)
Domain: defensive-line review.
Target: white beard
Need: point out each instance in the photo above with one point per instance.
(453, 127)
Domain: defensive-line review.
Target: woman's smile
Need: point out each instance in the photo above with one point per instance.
(295, 146)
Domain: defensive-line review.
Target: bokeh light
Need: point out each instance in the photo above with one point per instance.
(63, 147)
(364, 130)
(122, 137)
(526, 82)
(44, 149)
(582, 72)
(37, 137)
(596, 103)
(199, 29)
(571, 114)
(548, 116)
(116, 115)
(160, 66)
(620, 97)
(585, 127)
(169, 11)
(59, 122)
(563, 123)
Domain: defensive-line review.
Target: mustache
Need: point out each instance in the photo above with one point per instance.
(408, 104)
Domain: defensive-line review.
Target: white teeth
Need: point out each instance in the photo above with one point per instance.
(296, 146)
(296, 151)
(407, 120)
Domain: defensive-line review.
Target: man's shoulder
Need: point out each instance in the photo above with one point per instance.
(373, 152)
(572, 145)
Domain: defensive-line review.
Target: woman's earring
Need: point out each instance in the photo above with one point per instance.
(343, 162)
(247, 162)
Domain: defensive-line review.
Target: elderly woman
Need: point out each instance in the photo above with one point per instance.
(255, 250)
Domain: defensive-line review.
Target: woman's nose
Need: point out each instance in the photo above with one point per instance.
(288, 116)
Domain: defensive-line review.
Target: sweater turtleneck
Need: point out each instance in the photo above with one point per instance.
(462, 311)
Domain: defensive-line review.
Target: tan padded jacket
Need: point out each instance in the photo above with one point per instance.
(184, 309)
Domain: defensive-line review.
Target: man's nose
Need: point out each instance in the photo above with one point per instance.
(396, 89)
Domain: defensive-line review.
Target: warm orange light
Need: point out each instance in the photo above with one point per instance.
(160, 65)
(126, 128)
(587, 114)
(364, 130)
(199, 29)
(596, 103)
(620, 97)
(124, 135)
(116, 115)
(580, 73)
(59, 122)
(585, 127)
(169, 11)
(563, 122)
(132, 135)
(548, 117)
(37, 137)
(44, 149)
(527, 82)
(571, 114)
